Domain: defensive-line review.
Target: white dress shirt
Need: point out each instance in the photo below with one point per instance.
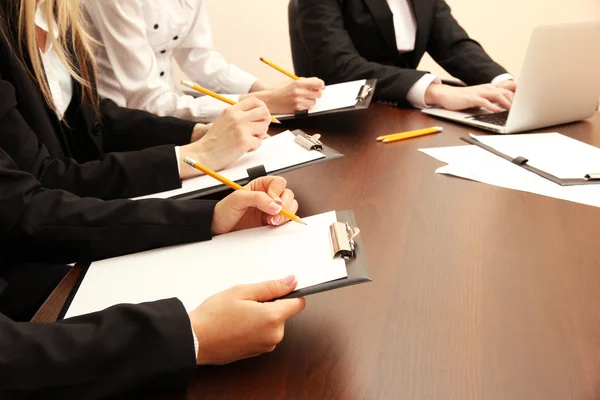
(57, 75)
(405, 27)
(141, 37)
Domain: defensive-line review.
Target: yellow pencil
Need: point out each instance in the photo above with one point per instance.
(407, 135)
(217, 96)
(280, 69)
(235, 186)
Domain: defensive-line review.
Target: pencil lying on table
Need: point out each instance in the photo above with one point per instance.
(235, 186)
(407, 135)
(212, 94)
(280, 69)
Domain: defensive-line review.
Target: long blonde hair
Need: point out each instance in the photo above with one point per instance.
(73, 45)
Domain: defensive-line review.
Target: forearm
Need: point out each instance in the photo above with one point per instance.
(100, 355)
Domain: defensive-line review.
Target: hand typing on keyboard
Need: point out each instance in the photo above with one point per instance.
(461, 98)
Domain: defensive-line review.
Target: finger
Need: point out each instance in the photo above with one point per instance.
(258, 114)
(289, 307)
(249, 103)
(305, 104)
(311, 83)
(499, 97)
(253, 143)
(484, 103)
(306, 94)
(241, 200)
(269, 290)
(287, 198)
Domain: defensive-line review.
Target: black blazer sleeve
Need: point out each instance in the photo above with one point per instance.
(450, 46)
(128, 130)
(115, 175)
(323, 32)
(39, 224)
(100, 355)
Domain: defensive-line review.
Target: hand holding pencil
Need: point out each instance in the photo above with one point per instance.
(264, 201)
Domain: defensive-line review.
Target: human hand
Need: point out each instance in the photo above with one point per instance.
(239, 129)
(259, 205)
(460, 98)
(294, 95)
(199, 131)
(237, 323)
(508, 84)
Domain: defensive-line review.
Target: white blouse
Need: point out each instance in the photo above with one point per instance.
(57, 75)
(141, 37)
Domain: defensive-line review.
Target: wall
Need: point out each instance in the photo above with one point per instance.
(246, 30)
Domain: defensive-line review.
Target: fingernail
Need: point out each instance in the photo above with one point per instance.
(274, 208)
(278, 220)
(278, 200)
(289, 281)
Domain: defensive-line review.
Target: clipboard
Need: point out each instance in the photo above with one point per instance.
(589, 179)
(346, 243)
(364, 98)
(309, 142)
(350, 247)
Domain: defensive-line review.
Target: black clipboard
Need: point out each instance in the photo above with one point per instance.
(364, 97)
(590, 179)
(356, 267)
(259, 170)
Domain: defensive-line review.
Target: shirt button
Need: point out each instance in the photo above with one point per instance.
(162, 73)
(176, 37)
(155, 26)
(97, 129)
(163, 51)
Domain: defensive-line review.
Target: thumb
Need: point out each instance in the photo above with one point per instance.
(240, 200)
(269, 290)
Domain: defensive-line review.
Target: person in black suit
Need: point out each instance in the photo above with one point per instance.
(124, 348)
(343, 40)
(54, 127)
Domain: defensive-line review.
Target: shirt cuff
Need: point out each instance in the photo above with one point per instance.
(196, 344)
(501, 78)
(416, 94)
(178, 156)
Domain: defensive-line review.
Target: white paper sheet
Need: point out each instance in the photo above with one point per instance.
(335, 97)
(474, 163)
(553, 153)
(275, 153)
(196, 271)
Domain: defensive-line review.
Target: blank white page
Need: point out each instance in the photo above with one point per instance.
(335, 97)
(553, 153)
(194, 272)
(275, 153)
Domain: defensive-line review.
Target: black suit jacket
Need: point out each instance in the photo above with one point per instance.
(119, 153)
(106, 353)
(355, 39)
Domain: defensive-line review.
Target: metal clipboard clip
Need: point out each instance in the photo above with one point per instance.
(364, 92)
(342, 239)
(309, 142)
(592, 177)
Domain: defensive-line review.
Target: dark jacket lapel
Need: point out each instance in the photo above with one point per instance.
(385, 21)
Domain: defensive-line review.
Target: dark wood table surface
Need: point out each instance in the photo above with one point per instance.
(479, 292)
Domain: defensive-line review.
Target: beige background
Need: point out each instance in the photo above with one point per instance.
(246, 30)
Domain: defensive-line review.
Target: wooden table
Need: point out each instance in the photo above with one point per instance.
(479, 292)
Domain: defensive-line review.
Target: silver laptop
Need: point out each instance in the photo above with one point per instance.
(559, 83)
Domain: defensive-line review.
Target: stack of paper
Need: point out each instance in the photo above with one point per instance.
(552, 152)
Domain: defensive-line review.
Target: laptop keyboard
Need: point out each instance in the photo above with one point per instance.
(494, 119)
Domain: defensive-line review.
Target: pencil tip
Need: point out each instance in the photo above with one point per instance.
(302, 222)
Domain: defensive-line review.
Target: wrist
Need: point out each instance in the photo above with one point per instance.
(433, 93)
(195, 152)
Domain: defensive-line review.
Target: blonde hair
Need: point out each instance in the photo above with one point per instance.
(73, 44)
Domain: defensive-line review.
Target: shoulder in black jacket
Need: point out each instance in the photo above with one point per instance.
(107, 353)
(119, 153)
